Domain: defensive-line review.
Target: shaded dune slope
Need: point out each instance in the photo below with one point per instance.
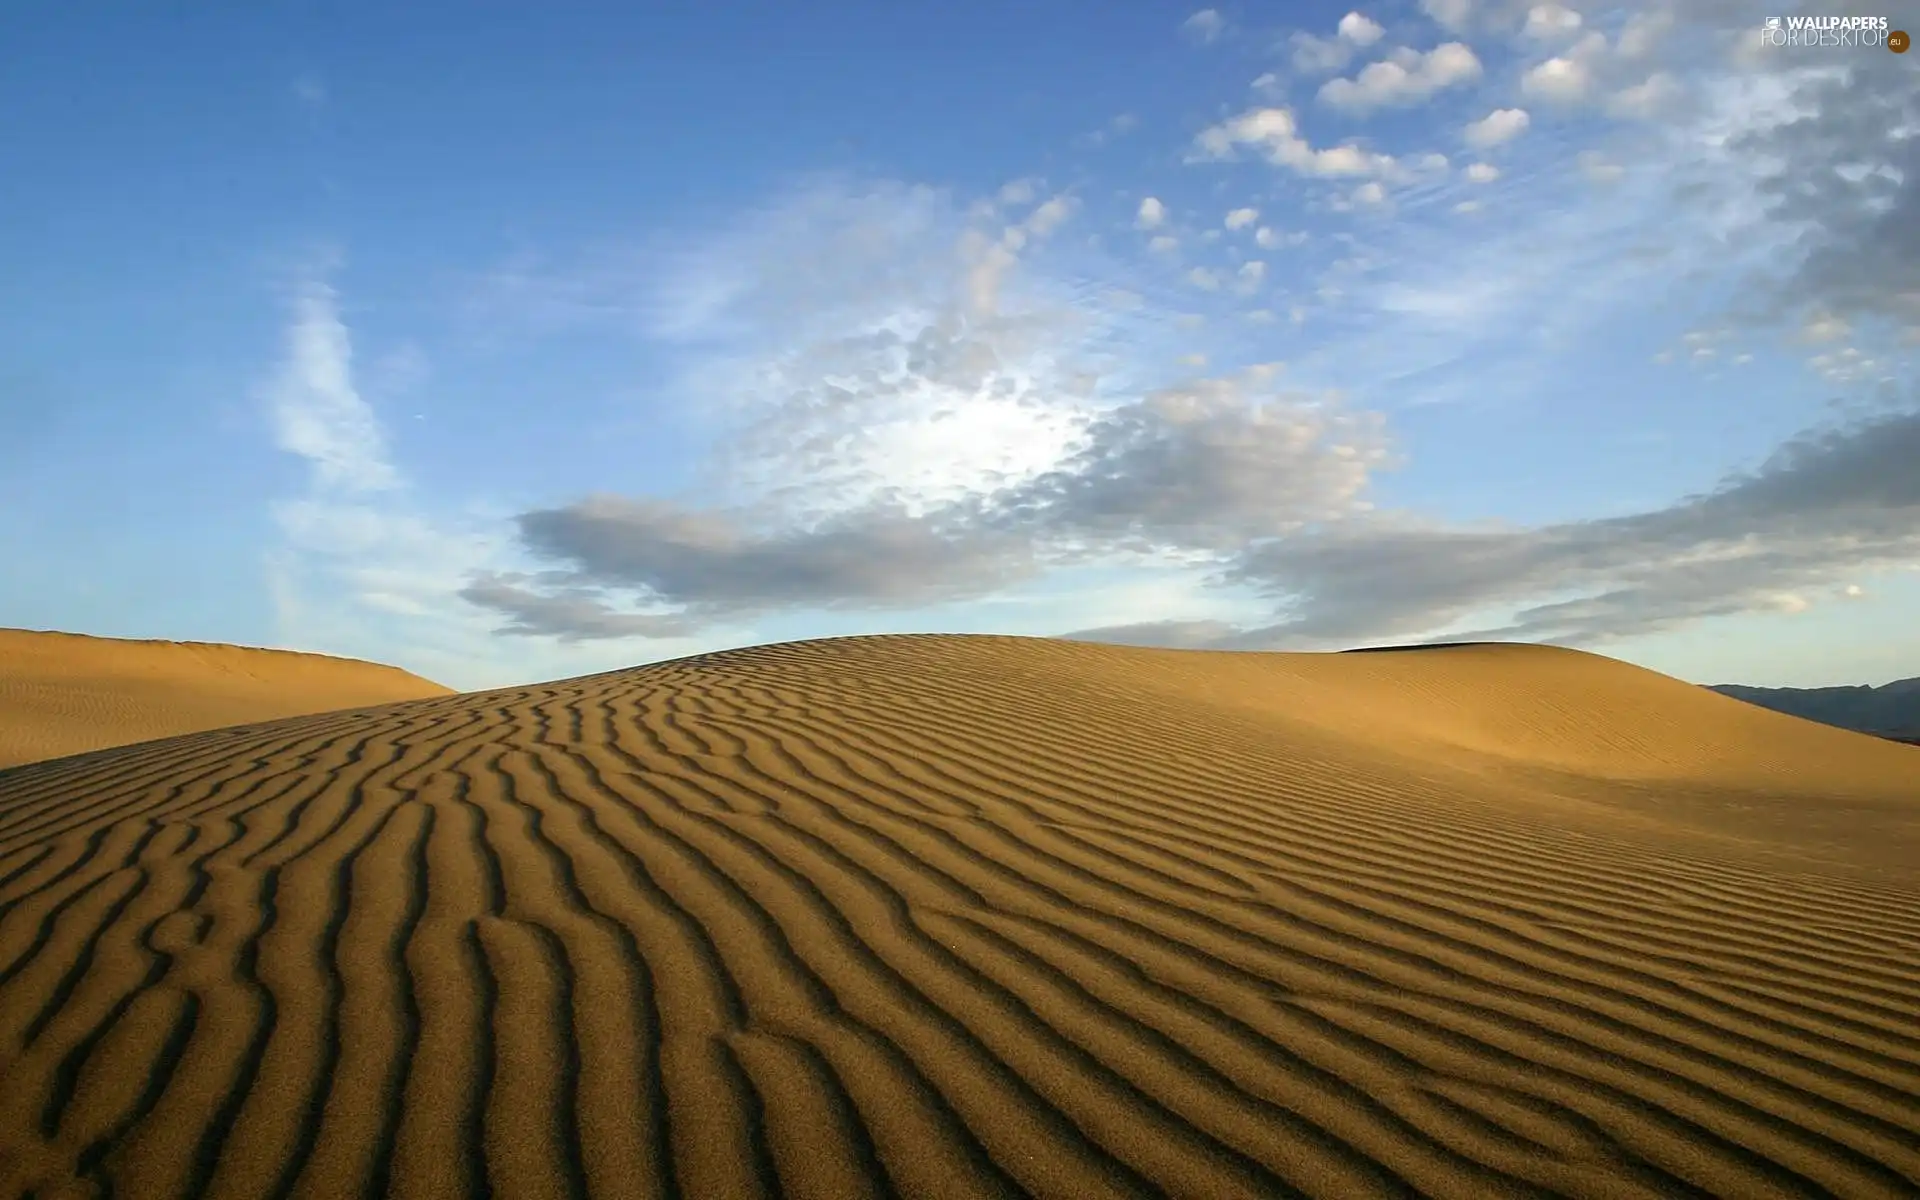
(65, 693)
(969, 916)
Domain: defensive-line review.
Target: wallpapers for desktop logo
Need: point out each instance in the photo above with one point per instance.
(1834, 33)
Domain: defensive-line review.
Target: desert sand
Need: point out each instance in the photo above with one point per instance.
(64, 693)
(975, 916)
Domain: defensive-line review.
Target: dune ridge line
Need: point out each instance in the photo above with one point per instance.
(69, 693)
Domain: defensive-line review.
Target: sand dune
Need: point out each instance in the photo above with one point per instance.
(954, 917)
(64, 693)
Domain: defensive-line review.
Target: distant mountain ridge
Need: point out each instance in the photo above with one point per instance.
(1891, 710)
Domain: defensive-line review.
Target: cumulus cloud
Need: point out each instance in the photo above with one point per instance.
(1240, 218)
(1482, 172)
(1049, 216)
(1499, 126)
(1317, 55)
(1359, 29)
(1270, 239)
(1275, 135)
(1551, 22)
(1561, 79)
(1151, 215)
(1407, 77)
(1204, 26)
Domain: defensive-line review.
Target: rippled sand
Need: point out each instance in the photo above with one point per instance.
(972, 916)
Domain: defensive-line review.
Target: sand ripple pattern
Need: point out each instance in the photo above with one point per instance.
(920, 916)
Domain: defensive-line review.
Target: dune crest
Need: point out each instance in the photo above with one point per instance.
(975, 916)
(68, 693)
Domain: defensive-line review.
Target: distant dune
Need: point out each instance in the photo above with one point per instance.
(975, 916)
(1891, 710)
(64, 693)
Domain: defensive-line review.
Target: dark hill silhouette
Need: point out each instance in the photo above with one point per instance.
(1891, 710)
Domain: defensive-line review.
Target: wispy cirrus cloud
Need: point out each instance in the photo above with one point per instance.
(363, 566)
(317, 412)
(1204, 26)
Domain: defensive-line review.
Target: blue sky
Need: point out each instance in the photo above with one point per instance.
(509, 345)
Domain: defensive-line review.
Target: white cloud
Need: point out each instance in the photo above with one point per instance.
(1551, 22)
(1204, 26)
(1019, 191)
(1240, 218)
(1820, 328)
(1407, 78)
(1151, 214)
(1252, 273)
(1497, 127)
(1561, 79)
(1370, 193)
(1359, 30)
(1268, 238)
(1467, 206)
(1164, 244)
(1119, 126)
(1204, 279)
(1646, 100)
(1275, 134)
(1482, 172)
(359, 570)
(1318, 56)
(1448, 14)
(317, 411)
(1050, 216)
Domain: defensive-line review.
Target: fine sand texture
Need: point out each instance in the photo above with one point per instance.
(975, 916)
(65, 693)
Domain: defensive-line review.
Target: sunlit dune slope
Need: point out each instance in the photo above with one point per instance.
(967, 916)
(63, 693)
